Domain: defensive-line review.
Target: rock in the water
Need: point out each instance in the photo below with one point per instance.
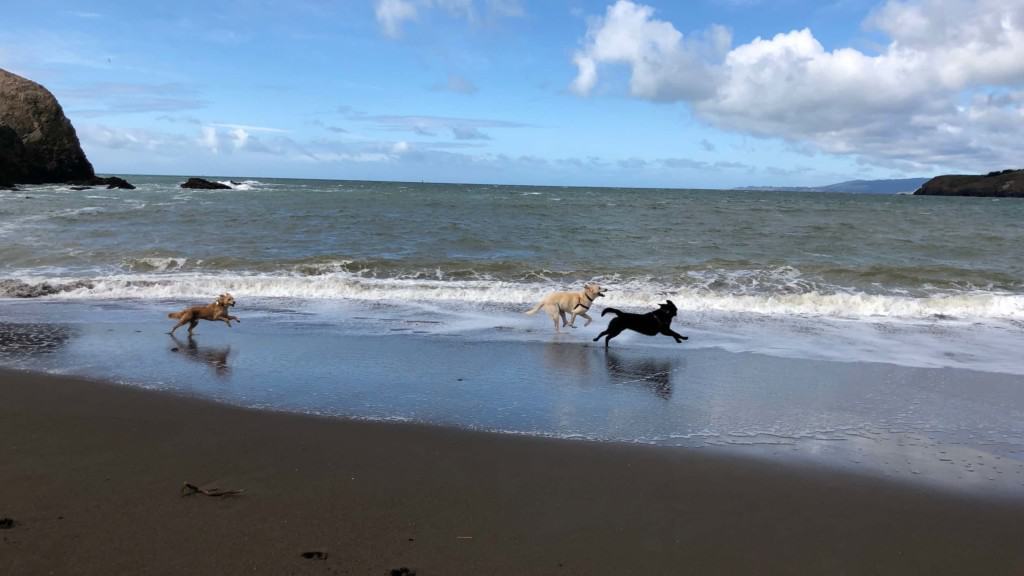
(109, 182)
(38, 144)
(115, 182)
(1005, 184)
(204, 184)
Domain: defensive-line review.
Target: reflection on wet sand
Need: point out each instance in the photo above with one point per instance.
(655, 374)
(567, 357)
(215, 357)
(22, 341)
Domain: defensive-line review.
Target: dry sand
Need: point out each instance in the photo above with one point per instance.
(91, 473)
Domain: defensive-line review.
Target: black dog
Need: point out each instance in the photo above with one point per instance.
(651, 324)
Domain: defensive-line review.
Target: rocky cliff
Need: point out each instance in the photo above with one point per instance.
(1006, 184)
(38, 144)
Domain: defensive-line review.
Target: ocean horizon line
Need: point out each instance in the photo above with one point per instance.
(745, 188)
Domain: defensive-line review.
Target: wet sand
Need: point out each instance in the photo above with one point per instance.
(950, 428)
(92, 472)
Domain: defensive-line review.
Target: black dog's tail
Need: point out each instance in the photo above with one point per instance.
(612, 310)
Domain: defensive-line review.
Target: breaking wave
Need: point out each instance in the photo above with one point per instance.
(325, 284)
(241, 185)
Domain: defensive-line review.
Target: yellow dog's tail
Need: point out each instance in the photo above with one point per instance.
(535, 309)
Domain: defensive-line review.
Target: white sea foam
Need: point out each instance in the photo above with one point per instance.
(74, 212)
(154, 264)
(243, 185)
(327, 284)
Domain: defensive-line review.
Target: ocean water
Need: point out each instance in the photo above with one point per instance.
(881, 333)
(917, 281)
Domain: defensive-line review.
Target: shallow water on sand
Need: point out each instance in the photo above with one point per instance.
(956, 428)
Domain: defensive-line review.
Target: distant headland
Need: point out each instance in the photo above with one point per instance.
(891, 186)
(1001, 184)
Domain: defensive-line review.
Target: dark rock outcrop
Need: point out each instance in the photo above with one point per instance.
(109, 182)
(115, 182)
(1002, 184)
(204, 184)
(11, 150)
(38, 144)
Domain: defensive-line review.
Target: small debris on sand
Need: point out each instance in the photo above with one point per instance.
(315, 555)
(190, 489)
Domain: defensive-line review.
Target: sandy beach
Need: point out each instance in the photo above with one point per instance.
(92, 476)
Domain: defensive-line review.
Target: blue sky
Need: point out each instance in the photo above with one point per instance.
(704, 93)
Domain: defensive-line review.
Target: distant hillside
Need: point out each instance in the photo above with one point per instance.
(1004, 183)
(894, 186)
(877, 186)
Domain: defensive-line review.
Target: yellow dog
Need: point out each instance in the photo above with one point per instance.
(557, 304)
(218, 311)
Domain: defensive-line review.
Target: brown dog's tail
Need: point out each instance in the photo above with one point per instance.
(174, 315)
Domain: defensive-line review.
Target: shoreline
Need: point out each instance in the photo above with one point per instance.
(947, 428)
(92, 473)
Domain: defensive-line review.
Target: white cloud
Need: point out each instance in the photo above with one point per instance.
(208, 139)
(940, 92)
(238, 145)
(664, 64)
(247, 127)
(392, 14)
(240, 136)
(223, 137)
(505, 7)
(460, 128)
(99, 135)
(84, 15)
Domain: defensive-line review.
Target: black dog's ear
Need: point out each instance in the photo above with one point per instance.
(670, 302)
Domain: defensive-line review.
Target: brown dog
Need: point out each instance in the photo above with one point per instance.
(218, 311)
(557, 304)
